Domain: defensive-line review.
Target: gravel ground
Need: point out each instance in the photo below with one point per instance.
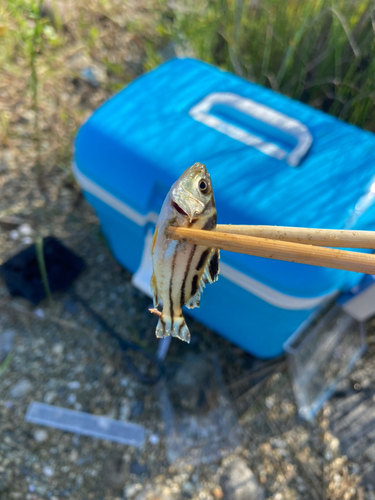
(60, 355)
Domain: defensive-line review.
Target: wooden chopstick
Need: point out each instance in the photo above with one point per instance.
(276, 249)
(341, 238)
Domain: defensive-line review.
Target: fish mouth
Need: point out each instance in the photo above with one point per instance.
(179, 209)
(185, 203)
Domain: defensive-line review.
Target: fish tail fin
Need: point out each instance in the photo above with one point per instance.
(180, 329)
(176, 328)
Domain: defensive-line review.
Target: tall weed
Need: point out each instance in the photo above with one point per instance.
(321, 52)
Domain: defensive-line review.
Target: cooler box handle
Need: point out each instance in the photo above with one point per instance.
(290, 139)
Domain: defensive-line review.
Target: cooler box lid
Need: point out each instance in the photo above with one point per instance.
(273, 160)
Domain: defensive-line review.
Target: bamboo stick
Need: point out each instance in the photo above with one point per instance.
(276, 249)
(341, 238)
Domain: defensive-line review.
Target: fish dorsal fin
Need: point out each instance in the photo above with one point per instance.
(210, 275)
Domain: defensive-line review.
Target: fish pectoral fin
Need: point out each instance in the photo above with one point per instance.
(154, 290)
(212, 269)
(176, 328)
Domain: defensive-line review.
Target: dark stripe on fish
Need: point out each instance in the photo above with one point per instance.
(182, 297)
(208, 206)
(194, 285)
(203, 259)
(179, 329)
(210, 223)
(214, 265)
(171, 283)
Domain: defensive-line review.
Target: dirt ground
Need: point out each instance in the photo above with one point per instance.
(61, 355)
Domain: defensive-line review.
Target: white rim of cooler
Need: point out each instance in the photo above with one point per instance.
(257, 288)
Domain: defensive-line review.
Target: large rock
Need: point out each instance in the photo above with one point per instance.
(239, 483)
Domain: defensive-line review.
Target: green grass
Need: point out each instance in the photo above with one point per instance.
(321, 52)
(24, 37)
(4, 365)
(39, 248)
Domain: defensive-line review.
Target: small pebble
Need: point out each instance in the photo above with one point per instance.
(124, 382)
(41, 490)
(26, 240)
(13, 235)
(108, 370)
(217, 493)
(328, 455)
(73, 457)
(74, 384)
(125, 410)
(270, 402)
(25, 229)
(48, 471)
(131, 490)
(31, 488)
(58, 349)
(40, 436)
(50, 397)
(334, 445)
(39, 313)
(72, 398)
(21, 388)
(154, 439)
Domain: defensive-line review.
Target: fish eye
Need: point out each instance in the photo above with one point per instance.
(203, 186)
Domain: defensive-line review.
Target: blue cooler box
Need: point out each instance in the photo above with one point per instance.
(272, 160)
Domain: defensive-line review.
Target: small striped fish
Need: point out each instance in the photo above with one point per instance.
(181, 269)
